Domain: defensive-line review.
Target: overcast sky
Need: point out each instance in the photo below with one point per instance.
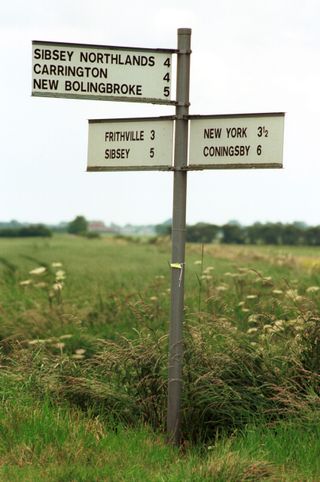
(247, 56)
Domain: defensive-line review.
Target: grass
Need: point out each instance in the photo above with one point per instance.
(83, 364)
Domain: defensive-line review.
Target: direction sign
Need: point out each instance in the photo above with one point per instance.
(100, 72)
(236, 141)
(140, 144)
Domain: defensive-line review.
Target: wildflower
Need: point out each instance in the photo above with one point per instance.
(208, 269)
(25, 282)
(80, 351)
(268, 328)
(38, 271)
(292, 294)
(206, 277)
(160, 276)
(36, 342)
(279, 322)
(153, 298)
(241, 303)
(57, 286)
(252, 297)
(245, 310)
(60, 345)
(42, 284)
(313, 289)
(277, 292)
(252, 330)
(56, 265)
(198, 261)
(252, 319)
(77, 356)
(222, 288)
(65, 337)
(298, 328)
(60, 275)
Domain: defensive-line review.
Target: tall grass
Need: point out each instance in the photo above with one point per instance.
(91, 344)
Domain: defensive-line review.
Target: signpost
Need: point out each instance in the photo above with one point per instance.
(216, 142)
(236, 141)
(130, 144)
(81, 71)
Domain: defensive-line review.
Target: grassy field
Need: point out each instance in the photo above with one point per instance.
(83, 362)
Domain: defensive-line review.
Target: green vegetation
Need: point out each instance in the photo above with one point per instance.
(278, 234)
(34, 230)
(83, 363)
(78, 226)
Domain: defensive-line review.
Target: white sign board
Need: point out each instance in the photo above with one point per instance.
(130, 144)
(102, 73)
(236, 141)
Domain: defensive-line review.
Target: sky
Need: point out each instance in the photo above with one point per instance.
(247, 57)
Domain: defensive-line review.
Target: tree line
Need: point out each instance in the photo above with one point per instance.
(295, 234)
(33, 230)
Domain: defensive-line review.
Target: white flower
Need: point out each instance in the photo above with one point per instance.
(208, 269)
(42, 284)
(80, 351)
(313, 289)
(279, 323)
(56, 265)
(292, 294)
(36, 342)
(60, 275)
(277, 292)
(25, 282)
(57, 286)
(38, 271)
(60, 346)
(252, 330)
(252, 297)
(78, 356)
(267, 328)
(222, 288)
(198, 261)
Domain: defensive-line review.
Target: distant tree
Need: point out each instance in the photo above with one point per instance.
(312, 236)
(33, 230)
(254, 234)
(78, 226)
(163, 229)
(292, 235)
(202, 233)
(233, 234)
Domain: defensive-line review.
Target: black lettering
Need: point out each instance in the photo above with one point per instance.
(45, 84)
(213, 133)
(227, 151)
(37, 68)
(37, 54)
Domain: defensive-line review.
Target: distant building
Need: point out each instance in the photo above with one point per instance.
(99, 227)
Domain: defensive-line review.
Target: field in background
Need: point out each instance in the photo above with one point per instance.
(83, 329)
